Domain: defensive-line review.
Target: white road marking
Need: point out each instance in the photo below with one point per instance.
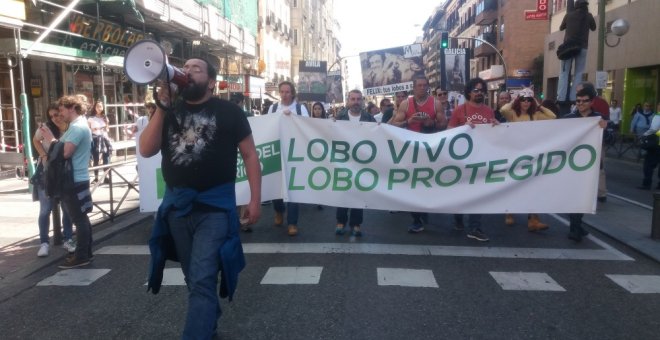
(406, 277)
(172, 277)
(598, 241)
(292, 276)
(607, 254)
(74, 277)
(637, 284)
(526, 281)
(123, 250)
(625, 199)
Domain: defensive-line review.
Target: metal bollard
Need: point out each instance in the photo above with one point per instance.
(655, 223)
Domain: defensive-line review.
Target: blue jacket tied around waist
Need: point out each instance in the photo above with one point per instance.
(161, 244)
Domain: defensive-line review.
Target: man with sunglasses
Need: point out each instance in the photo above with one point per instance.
(583, 103)
(473, 111)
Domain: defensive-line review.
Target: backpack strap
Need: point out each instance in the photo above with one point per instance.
(298, 109)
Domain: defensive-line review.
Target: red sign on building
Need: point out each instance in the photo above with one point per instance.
(541, 12)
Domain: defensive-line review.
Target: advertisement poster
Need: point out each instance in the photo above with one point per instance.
(453, 68)
(390, 70)
(312, 81)
(335, 92)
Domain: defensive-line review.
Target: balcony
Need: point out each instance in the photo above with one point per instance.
(483, 50)
(486, 13)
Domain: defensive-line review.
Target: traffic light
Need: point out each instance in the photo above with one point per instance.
(444, 39)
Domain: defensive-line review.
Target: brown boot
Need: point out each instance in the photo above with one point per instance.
(508, 219)
(534, 224)
(279, 218)
(293, 230)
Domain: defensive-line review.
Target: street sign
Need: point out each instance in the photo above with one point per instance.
(534, 15)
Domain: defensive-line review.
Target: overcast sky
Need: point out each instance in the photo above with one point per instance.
(368, 25)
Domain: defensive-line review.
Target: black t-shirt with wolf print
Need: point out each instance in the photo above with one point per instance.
(200, 149)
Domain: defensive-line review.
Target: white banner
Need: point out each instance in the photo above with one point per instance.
(541, 166)
(549, 166)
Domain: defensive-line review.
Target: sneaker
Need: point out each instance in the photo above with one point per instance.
(339, 230)
(356, 231)
(415, 228)
(43, 250)
(478, 235)
(70, 246)
(293, 230)
(73, 262)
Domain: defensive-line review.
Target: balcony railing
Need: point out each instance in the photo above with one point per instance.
(482, 50)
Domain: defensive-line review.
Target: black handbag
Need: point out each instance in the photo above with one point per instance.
(649, 142)
(569, 49)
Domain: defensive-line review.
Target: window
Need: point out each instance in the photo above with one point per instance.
(501, 28)
(295, 3)
(295, 36)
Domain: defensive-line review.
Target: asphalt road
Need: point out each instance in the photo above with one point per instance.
(386, 285)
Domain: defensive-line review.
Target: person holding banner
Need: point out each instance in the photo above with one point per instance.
(287, 105)
(583, 101)
(197, 224)
(526, 108)
(355, 113)
(472, 112)
(420, 113)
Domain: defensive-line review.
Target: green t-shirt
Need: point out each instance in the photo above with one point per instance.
(79, 135)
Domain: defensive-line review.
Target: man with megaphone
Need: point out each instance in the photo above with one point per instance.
(197, 223)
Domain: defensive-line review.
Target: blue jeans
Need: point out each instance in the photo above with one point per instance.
(563, 86)
(474, 220)
(45, 208)
(71, 202)
(355, 216)
(198, 238)
(292, 216)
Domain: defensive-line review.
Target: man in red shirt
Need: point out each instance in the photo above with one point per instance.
(472, 112)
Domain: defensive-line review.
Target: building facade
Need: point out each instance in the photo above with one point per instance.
(632, 62)
(84, 54)
(518, 43)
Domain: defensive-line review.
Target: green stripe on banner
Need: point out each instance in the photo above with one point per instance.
(269, 157)
(160, 184)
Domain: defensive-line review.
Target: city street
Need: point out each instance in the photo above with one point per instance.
(388, 284)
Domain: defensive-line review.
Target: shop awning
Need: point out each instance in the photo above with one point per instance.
(62, 53)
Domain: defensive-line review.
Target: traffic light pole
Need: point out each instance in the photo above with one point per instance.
(494, 49)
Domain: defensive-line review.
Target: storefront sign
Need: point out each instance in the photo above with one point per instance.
(35, 87)
(115, 39)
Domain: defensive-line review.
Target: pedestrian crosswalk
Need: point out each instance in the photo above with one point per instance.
(386, 276)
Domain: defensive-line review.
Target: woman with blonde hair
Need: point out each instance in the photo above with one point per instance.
(526, 108)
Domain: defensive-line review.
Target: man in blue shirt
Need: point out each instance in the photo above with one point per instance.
(78, 202)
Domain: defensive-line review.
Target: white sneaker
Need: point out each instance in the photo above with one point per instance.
(70, 246)
(43, 250)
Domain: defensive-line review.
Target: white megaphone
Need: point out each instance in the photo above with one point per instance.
(146, 62)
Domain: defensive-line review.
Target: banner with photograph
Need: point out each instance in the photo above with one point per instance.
(454, 66)
(311, 81)
(335, 93)
(390, 70)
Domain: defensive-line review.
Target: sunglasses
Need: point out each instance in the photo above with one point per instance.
(580, 101)
(477, 90)
(526, 99)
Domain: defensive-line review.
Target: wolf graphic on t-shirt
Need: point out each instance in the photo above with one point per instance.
(197, 131)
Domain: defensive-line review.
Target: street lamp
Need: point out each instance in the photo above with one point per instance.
(619, 27)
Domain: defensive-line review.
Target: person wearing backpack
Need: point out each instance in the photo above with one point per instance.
(642, 120)
(287, 105)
